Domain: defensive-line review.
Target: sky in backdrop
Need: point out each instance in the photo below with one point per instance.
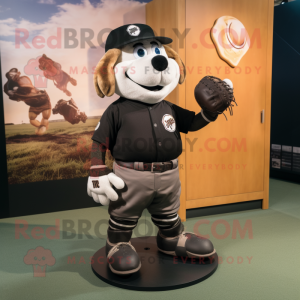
(45, 18)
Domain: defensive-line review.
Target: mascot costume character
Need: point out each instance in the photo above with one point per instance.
(20, 88)
(70, 111)
(142, 131)
(52, 71)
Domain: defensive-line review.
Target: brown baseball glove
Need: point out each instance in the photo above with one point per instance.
(214, 96)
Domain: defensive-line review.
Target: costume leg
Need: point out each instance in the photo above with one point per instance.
(73, 81)
(171, 238)
(124, 215)
(45, 120)
(32, 118)
(166, 223)
(119, 230)
(68, 93)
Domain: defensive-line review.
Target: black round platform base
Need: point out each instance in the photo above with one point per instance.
(159, 271)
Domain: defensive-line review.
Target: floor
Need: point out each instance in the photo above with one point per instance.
(261, 262)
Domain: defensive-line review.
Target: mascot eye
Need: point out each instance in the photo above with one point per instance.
(155, 49)
(139, 52)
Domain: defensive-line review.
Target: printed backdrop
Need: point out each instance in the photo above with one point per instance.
(49, 49)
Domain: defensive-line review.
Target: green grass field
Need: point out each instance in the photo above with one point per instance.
(54, 128)
(62, 153)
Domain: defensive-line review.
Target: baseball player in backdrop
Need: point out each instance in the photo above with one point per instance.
(20, 88)
(142, 131)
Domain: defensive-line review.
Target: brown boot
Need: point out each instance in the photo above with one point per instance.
(121, 255)
(175, 241)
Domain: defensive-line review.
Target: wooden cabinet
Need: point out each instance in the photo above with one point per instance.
(227, 161)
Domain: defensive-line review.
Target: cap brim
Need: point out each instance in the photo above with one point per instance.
(163, 40)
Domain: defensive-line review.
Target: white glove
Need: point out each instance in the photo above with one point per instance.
(100, 188)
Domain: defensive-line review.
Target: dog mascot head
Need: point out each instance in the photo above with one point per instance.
(138, 65)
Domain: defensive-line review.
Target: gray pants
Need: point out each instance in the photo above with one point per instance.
(158, 192)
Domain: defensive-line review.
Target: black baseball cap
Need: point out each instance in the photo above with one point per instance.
(130, 33)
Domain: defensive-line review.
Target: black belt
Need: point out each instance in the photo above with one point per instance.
(156, 167)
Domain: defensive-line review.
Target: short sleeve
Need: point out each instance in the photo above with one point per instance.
(106, 129)
(183, 118)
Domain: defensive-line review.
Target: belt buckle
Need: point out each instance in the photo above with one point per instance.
(157, 171)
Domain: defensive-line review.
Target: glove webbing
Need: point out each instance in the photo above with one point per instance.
(219, 84)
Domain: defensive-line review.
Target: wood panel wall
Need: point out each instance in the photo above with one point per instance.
(253, 93)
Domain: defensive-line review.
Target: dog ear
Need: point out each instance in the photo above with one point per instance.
(104, 76)
(173, 54)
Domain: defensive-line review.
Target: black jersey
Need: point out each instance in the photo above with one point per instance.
(137, 131)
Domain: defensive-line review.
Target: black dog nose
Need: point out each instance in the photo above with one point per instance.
(159, 63)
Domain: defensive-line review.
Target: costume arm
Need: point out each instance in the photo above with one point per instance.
(98, 158)
(202, 119)
(98, 154)
(101, 178)
(10, 96)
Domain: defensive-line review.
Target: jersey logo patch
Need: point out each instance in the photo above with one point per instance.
(169, 123)
(97, 126)
(133, 30)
